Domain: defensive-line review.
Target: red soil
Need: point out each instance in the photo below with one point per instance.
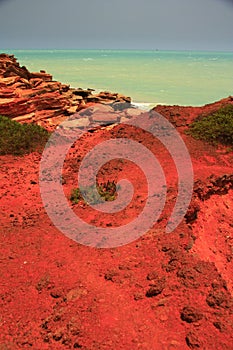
(163, 291)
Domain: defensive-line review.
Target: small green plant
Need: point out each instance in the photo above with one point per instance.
(215, 128)
(75, 196)
(107, 192)
(20, 139)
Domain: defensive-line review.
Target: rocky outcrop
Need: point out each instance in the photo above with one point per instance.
(215, 185)
(9, 67)
(183, 116)
(34, 97)
(202, 191)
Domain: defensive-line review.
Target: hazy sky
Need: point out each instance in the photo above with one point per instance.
(109, 24)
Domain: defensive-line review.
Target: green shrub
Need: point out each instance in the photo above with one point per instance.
(215, 128)
(20, 139)
(75, 196)
(107, 191)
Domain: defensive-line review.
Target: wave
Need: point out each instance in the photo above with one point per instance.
(146, 106)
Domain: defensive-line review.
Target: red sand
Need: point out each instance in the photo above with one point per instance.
(163, 291)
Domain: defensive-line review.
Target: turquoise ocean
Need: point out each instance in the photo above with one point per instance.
(149, 77)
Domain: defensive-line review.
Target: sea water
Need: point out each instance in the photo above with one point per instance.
(149, 77)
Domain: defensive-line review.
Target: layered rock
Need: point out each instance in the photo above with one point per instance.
(34, 97)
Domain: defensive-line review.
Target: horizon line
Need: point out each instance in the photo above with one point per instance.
(118, 49)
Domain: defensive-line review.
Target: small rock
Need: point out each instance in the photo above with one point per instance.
(219, 326)
(43, 283)
(163, 317)
(190, 314)
(152, 275)
(155, 290)
(111, 275)
(74, 294)
(93, 99)
(58, 334)
(82, 93)
(192, 340)
(56, 293)
(120, 106)
(138, 296)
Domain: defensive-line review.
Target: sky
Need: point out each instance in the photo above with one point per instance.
(117, 24)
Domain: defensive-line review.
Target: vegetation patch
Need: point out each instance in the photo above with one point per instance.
(215, 128)
(107, 192)
(19, 139)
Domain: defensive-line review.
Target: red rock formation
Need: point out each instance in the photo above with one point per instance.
(28, 97)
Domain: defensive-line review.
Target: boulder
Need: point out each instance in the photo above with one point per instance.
(72, 109)
(65, 87)
(106, 95)
(97, 108)
(93, 98)
(122, 98)
(120, 106)
(80, 123)
(105, 118)
(133, 112)
(81, 92)
(43, 76)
